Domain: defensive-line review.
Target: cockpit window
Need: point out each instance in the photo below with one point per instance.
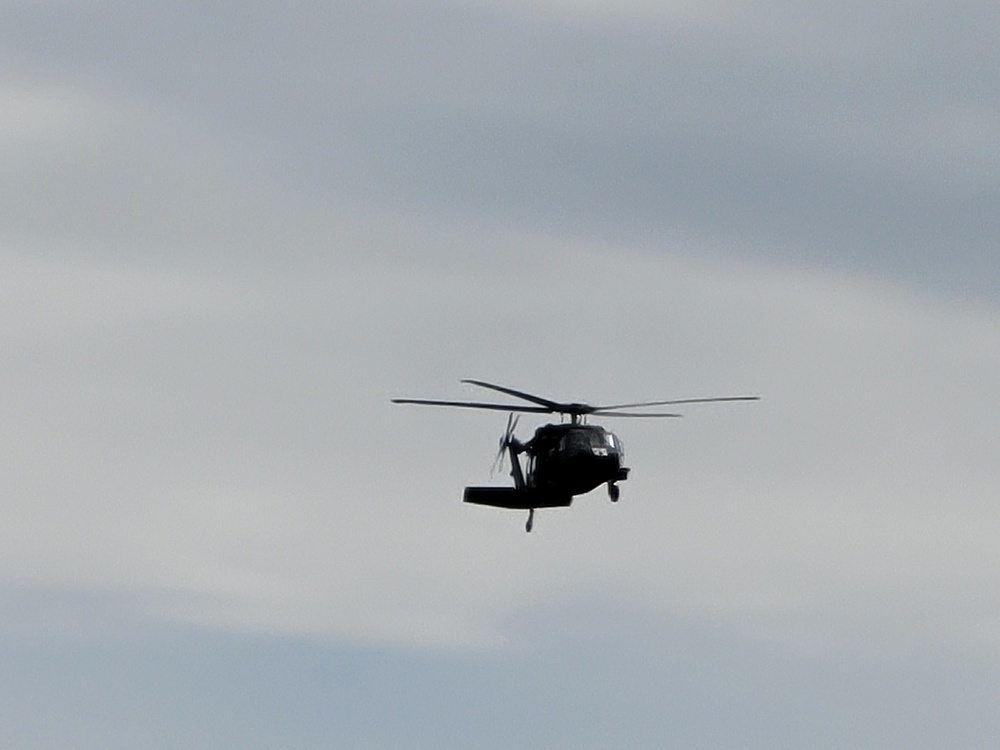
(598, 442)
(616, 445)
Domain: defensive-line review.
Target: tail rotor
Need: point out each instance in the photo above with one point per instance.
(506, 440)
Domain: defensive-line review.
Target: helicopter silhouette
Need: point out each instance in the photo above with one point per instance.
(563, 460)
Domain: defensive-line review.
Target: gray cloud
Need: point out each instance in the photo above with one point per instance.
(231, 234)
(856, 139)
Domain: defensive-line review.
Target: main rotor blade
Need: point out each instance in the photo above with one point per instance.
(552, 405)
(603, 409)
(474, 405)
(601, 413)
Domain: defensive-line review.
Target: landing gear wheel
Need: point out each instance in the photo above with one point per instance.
(531, 520)
(614, 492)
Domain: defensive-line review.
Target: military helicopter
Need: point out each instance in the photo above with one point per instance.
(563, 460)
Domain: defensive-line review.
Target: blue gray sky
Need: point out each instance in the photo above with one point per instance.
(231, 232)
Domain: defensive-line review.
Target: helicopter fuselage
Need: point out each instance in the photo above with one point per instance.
(573, 458)
(563, 460)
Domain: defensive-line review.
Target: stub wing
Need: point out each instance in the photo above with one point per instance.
(515, 499)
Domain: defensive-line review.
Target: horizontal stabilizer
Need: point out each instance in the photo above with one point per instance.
(515, 499)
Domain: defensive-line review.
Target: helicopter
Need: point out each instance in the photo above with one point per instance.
(562, 460)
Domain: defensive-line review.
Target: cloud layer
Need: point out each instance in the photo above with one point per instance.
(231, 234)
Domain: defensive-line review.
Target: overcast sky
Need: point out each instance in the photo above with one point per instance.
(230, 232)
